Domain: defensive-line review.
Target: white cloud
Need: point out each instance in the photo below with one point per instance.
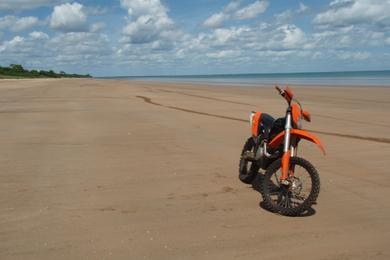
(224, 35)
(302, 8)
(216, 20)
(388, 41)
(340, 2)
(39, 35)
(284, 17)
(149, 37)
(24, 23)
(24, 4)
(23, 49)
(348, 55)
(248, 44)
(80, 52)
(148, 21)
(78, 46)
(16, 24)
(232, 6)
(347, 12)
(252, 10)
(7, 21)
(138, 8)
(294, 37)
(146, 29)
(69, 18)
(224, 54)
(349, 37)
(96, 10)
(97, 26)
(221, 39)
(231, 11)
(14, 42)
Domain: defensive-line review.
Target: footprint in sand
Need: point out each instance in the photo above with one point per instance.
(228, 189)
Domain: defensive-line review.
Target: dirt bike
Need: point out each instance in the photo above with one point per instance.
(290, 185)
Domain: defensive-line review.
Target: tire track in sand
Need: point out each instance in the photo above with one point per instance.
(357, 137)
(248, 104)
(204, 97)
(149, 101)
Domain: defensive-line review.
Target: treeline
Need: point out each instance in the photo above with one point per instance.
(17, 71)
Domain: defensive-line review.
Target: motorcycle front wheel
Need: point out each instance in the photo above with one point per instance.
(247, 169)
(295, 198)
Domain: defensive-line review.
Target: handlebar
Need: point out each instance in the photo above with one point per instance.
(279, 90)
(286, 93)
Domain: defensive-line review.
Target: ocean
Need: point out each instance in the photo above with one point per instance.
(344, 78)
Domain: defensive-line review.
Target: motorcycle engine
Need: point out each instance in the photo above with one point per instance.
(260, 158)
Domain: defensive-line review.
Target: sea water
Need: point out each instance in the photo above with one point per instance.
(344, 78)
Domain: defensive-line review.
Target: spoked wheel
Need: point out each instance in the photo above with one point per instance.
(296, 197)
(247, 169)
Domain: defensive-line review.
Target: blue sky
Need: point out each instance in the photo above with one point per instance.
(155, 37)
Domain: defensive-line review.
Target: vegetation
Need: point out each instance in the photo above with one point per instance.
(17, 71)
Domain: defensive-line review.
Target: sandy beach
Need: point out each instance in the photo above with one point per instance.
(110, 169)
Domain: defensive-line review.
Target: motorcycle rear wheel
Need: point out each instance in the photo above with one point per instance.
(247, 169)
(295, 198)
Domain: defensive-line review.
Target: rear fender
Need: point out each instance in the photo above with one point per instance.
(277, 140)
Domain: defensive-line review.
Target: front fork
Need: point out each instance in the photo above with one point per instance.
(289, 150)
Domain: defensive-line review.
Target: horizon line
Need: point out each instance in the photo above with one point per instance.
(236, 74)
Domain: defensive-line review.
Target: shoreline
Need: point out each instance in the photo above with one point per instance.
(210, 83)
(345, 78)
(233, 84)
(250, 86)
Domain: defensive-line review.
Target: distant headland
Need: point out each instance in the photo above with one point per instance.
(16, 71)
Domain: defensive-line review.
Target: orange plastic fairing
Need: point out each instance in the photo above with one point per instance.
(277, 140)
(255, 123)
(296, 113)
(306, 115)
(289, 94)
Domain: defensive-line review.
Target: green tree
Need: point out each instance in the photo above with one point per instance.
(17, 68)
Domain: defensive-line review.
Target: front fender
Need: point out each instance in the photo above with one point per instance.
(277, 140)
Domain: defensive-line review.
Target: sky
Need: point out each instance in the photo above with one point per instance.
(186, 37)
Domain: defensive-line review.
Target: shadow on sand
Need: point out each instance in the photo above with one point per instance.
(256, 185)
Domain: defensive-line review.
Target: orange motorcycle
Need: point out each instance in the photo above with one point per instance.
(290, 185)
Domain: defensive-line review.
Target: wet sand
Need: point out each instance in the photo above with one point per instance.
(105, 169)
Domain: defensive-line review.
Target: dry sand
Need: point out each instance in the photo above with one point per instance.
(104, 169)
